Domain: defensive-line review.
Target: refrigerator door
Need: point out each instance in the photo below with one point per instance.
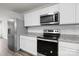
(11, 35)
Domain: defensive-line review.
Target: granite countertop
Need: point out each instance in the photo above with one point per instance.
(63, 37)
(33, 34)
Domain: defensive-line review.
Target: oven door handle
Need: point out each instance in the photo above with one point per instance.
(56, 41)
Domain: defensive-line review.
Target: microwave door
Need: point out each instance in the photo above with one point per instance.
(46, 19)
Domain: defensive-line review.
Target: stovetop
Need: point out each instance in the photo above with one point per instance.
(55, 37)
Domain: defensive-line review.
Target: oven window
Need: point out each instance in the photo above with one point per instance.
(47, 48)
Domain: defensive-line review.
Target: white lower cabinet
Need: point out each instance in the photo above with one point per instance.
(28, 44)
(68, 49)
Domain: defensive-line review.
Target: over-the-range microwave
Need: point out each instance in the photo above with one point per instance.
(49, 19)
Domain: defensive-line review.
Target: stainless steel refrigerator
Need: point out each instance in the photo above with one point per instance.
(15, 29)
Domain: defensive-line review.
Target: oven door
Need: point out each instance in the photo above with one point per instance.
(47, 48)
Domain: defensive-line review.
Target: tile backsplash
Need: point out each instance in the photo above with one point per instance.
(64, 29)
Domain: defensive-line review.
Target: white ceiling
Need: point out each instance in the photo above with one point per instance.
(22, 7)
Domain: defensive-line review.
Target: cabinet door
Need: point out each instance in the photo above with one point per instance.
(67, 13)
(22, 42)
(26, 20)
(29, 44)
(32, 19)
(77, 13)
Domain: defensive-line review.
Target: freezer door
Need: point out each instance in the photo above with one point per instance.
(11, 35)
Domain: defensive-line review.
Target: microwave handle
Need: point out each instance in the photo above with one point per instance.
(47, 14)
(50, 13)
(44, 14)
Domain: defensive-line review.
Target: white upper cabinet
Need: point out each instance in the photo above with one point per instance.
(67, 13)
(77, 13)
(32, 19)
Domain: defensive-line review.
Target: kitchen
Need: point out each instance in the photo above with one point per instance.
(49, 30)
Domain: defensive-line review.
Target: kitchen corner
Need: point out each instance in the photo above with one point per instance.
(47, 29)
